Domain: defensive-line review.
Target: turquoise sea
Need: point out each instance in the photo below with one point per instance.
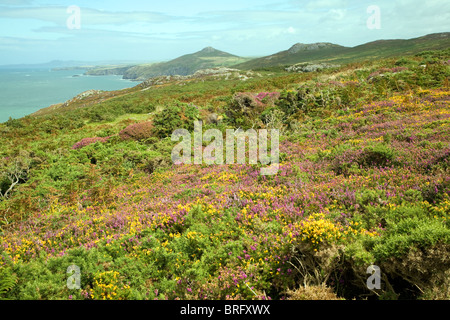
(23, 91)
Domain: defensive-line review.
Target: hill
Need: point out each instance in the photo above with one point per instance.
(183, 66)
(297, 53)
(327, 52)
(362, 181)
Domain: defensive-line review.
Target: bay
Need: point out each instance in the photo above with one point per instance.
(24, 91)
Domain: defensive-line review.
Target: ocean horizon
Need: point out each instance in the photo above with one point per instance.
(25, 91)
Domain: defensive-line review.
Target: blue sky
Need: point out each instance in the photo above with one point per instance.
(37, 31)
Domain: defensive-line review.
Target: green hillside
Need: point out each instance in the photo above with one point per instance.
(184, 65)
(297, 53)
(107, 70)
(363, 180)
(338, 54)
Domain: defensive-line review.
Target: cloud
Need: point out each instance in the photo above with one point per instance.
(59, 15)
(248, 16)
(335, 14)
(15, 2)
(242, 28)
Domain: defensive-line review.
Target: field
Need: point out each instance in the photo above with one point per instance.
(363, 180)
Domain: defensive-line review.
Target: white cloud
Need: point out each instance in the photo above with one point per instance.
(14, 2)
(59, 15)
(241, 29)
(337, 14)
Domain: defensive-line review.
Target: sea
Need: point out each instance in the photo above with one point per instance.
(24, 91)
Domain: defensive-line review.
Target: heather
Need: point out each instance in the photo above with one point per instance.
(363, 179)
(87, 141)
(137, 131)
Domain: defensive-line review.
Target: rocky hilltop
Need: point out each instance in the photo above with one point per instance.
(310, 47)
(310, 67)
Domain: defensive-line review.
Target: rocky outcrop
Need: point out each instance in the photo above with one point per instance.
(87, 94)
(214, 71)
(310, 46)
(223, 72)
(310, 67)
(82, 96)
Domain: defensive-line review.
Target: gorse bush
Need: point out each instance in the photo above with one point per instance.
(245, 107)
(107, 285)
(310, 99)
(362, 180)
(177, 116)
(247, 110)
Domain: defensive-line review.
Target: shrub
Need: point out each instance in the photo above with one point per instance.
(370, 197)
(376, 155)
(137, 131)
(154, 163)
(268, 97)
(14, 123)
(403, 62)
(439, 289)
(321, 292)
(309, 99)
(317, 231)
(7, 280)
(179, 116)
(245, 108)
(423, 270)
(273, 118)
(403, 236)
(15, 171)
(109, 286)
(245, 101)
(343, 158)
(317, 268)
(289, 102)
(101, 114)
(87, 141)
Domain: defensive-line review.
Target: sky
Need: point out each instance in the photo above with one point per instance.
(39, 31)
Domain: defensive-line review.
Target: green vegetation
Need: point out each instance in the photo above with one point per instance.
(184, 65)
(337, 54)
(363, 180)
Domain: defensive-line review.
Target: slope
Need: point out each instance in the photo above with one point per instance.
(184, 65)
(338, 54)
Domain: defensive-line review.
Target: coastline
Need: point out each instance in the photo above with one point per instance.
(25, 92)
